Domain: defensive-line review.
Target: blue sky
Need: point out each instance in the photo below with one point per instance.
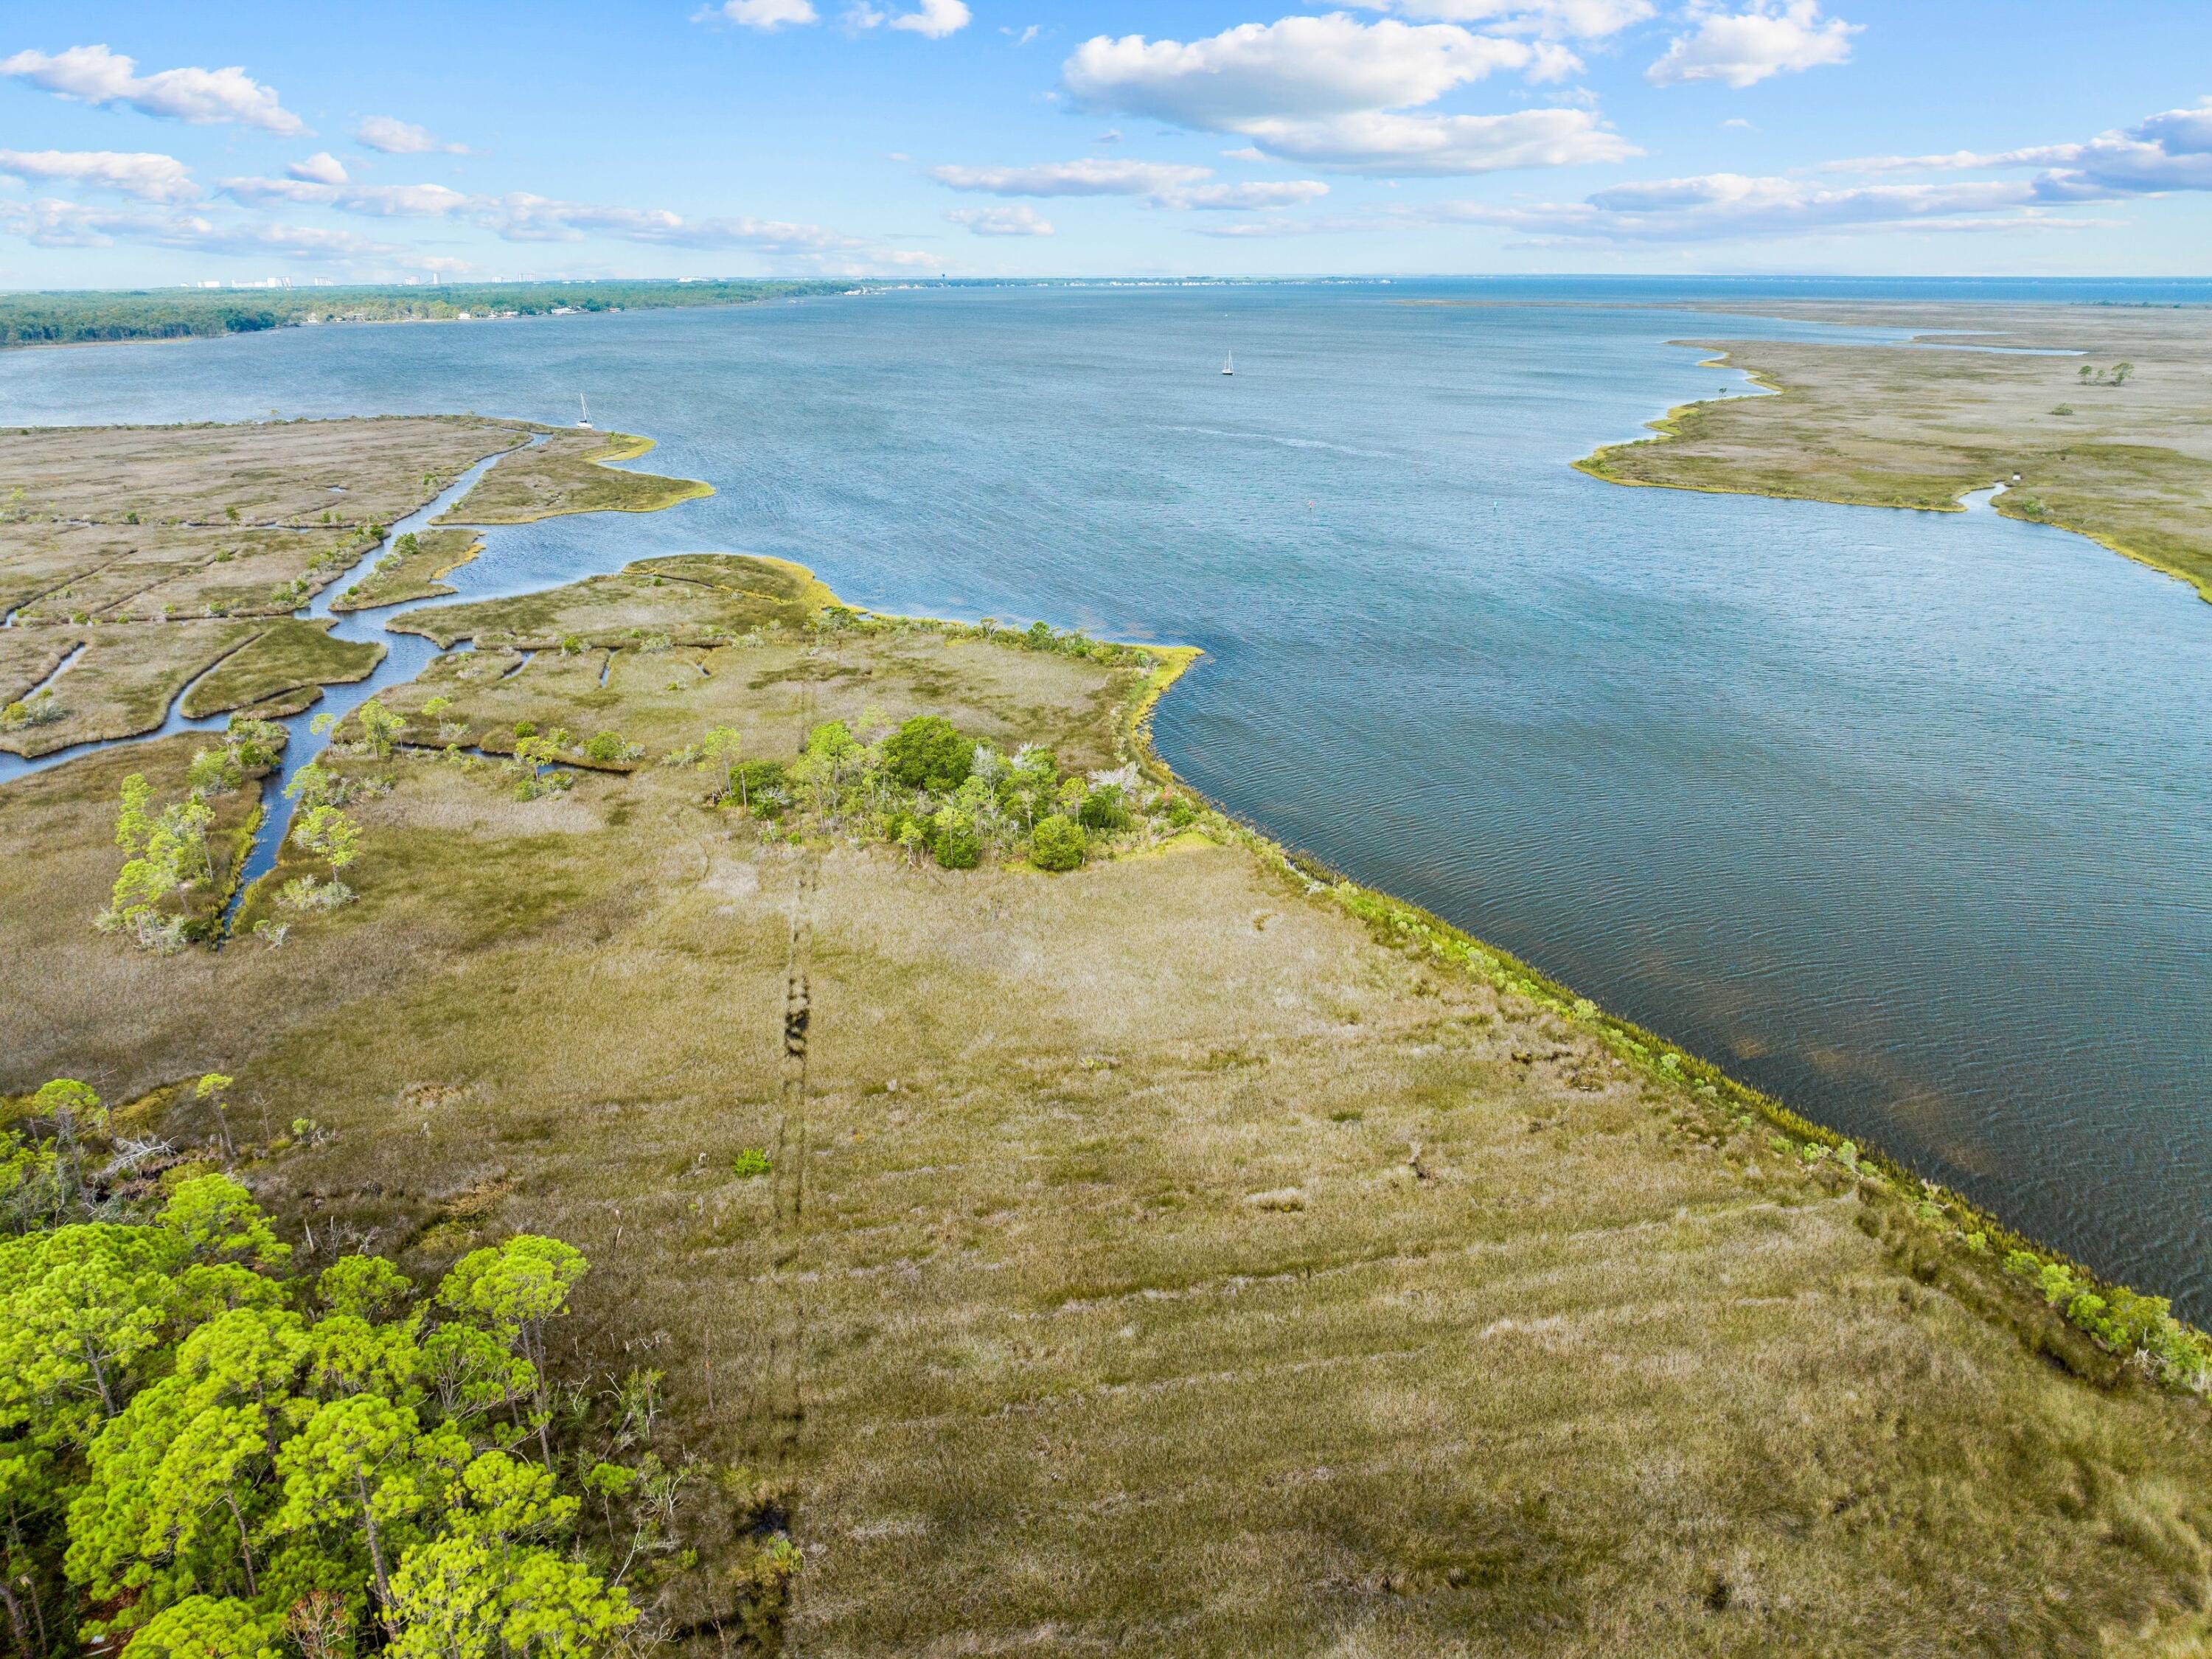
(144, 144)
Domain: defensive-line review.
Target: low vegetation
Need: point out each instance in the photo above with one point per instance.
(283, 668)
(411, 569)
(571, 472)
(1050, 1213)
(2124, 458)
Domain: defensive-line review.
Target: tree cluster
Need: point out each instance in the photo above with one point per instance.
(926, 788)
(170, 864)
(204, 1453)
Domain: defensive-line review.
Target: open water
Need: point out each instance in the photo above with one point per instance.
(1906, 817)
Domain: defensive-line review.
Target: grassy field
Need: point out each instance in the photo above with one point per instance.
(2127, 462)
(571, 472)
(401, 578)
(1184, 1254)
(290, 662)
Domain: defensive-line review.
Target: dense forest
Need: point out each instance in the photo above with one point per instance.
(70, 318)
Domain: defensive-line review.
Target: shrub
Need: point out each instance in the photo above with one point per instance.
(526, 728)
(758, 786)
(1058, 843)
(1102, 811)
(953, 842)
(606, 747)
(1181, 813)
(751, 1162)
(928, 753)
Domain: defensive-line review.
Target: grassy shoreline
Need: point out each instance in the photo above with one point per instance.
(1962, 1242)
(1698, 423)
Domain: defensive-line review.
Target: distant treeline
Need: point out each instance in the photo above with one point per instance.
(68, 319)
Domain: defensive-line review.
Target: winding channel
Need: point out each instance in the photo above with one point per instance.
(406, 656)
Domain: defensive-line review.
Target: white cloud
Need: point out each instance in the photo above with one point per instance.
(320, 168)
(1089, 177)
(94, 74)
(1002, 221)
(1732, 207)
(764, 14)
(375, 201)
(1743, 48)
(1585, 20)
(152, 177)
(1299, 68)
(1399, 145)
(933, 18)
(2171, 150)
(1269, 193)
(1166, 184)
(1331, 92)
(67, 224)
(389, 136)
(522, 217)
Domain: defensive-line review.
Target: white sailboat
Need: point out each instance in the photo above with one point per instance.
(1228, 364)
(583, 410)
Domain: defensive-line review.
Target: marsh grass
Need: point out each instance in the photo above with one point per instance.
(409, 573)
(290, 656)
(571, 472)
(1549, 1351)
(2128, 466)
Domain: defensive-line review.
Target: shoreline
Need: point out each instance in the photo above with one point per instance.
(1978, 1256)
(1667, 428)
(1972, 1252)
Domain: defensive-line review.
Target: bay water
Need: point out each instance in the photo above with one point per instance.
(1905, 818)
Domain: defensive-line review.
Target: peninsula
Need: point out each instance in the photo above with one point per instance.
(2092, 418)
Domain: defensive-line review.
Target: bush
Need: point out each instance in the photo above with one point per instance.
(1058, 843)
(758, 787)
(608, 747)
(1102, 809)
(751, 1162)
(954, 843)
(1180, 814)
(928, 753)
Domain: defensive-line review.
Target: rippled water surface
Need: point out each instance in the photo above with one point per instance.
(1902, 816)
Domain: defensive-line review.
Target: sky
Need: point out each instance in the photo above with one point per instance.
(148, 145)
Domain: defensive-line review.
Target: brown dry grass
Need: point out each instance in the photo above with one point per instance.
(1158, 1261)
(282, 473)
(126, 679)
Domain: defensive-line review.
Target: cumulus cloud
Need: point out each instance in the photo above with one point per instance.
(1300, 67)
(1332, 91)
(1001, 220)
(1399, 145)
(1267, 193)
(94, 74)
(320, 168)
(1166, 184)
(2171, 150)
(763, 15)
(1584, 20)
(1732, 207)
(49, 223)
(1088, 176)
(389, 136)
(1744, 47)
(934, 18)
(374, 201)
(151, 178)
